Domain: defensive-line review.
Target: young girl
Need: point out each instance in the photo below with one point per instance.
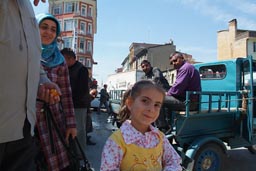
(57, 71)
(137, 145)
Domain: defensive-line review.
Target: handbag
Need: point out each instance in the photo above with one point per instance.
(71, 147)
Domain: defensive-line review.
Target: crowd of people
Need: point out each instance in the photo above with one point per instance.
(51, 79)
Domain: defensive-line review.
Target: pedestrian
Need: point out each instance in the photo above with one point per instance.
(22, 81)
(138, 145)
(187, 79)
(89, 125)
(104, 97)
(57, 71)
(94, 84)
(79, 80)
(154, 74)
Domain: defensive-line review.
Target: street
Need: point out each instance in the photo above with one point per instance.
(101, 131)
(238, 159)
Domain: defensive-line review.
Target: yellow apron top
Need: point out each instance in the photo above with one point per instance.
(137, 158)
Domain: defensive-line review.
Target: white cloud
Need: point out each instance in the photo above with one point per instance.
(244, 6)
(224, 11)
(200, 54)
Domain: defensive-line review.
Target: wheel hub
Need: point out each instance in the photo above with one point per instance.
(207, 163)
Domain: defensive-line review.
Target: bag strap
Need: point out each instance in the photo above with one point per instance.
(49, 126)
(49, 113)
(86, 162)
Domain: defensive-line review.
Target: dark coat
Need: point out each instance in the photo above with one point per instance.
(157, 77)
(79, 84)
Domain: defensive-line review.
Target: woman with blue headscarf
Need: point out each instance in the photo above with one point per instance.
(57, 71)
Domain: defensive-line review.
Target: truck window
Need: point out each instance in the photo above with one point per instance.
(212, 72)
(247, 74)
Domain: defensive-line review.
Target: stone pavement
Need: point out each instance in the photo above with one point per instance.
(101, 131)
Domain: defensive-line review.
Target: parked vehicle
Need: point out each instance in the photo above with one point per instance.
(122, 80)
(226, 115)
(96, 102)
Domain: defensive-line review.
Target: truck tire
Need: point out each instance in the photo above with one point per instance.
(209, 158)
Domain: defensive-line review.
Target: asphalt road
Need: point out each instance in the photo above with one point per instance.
(101, 131)
(237, 160)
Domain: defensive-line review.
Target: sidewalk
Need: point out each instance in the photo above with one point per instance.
(101, 131)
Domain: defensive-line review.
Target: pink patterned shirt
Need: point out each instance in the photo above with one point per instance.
(112, 154)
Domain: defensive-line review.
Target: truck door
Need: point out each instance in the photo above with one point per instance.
(247, 83)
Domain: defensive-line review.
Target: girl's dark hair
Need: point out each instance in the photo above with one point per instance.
(133, 93)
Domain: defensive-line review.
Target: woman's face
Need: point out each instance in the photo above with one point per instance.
(48, 29)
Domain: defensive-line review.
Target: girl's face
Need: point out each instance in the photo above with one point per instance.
(145, 108)
(48, 29)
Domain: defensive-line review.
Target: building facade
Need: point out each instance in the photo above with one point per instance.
(157, 54)
(234, 43)
(78, 20)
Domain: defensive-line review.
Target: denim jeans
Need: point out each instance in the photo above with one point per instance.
(106, 106)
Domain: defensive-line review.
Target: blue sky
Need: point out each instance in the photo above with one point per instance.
(191, 24)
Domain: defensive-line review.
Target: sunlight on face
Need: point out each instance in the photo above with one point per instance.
(48, 30)
(145, 108)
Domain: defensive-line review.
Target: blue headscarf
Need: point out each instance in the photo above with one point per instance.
(51, 55)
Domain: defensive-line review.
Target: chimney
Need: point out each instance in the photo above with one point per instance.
(232, 29)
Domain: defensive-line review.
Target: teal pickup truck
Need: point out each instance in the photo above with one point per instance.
(226, 115)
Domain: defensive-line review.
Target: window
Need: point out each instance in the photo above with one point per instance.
(89, 30)
(60, 24)
(212, 72)
(81, 60)
(84, 10)
(68, 25)
(254, 46)
(81, 46)
(67, 42)
(89, 46)
(88, 63)
(90, 12)
(57, 9)
(70, 7)
(82, 28)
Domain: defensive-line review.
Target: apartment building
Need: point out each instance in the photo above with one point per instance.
(157, 54)
(234, 43)
(78, 20)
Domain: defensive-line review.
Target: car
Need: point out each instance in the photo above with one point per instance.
(96, 102)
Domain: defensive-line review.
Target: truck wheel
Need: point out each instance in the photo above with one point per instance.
(252, 149)
(208, 158)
